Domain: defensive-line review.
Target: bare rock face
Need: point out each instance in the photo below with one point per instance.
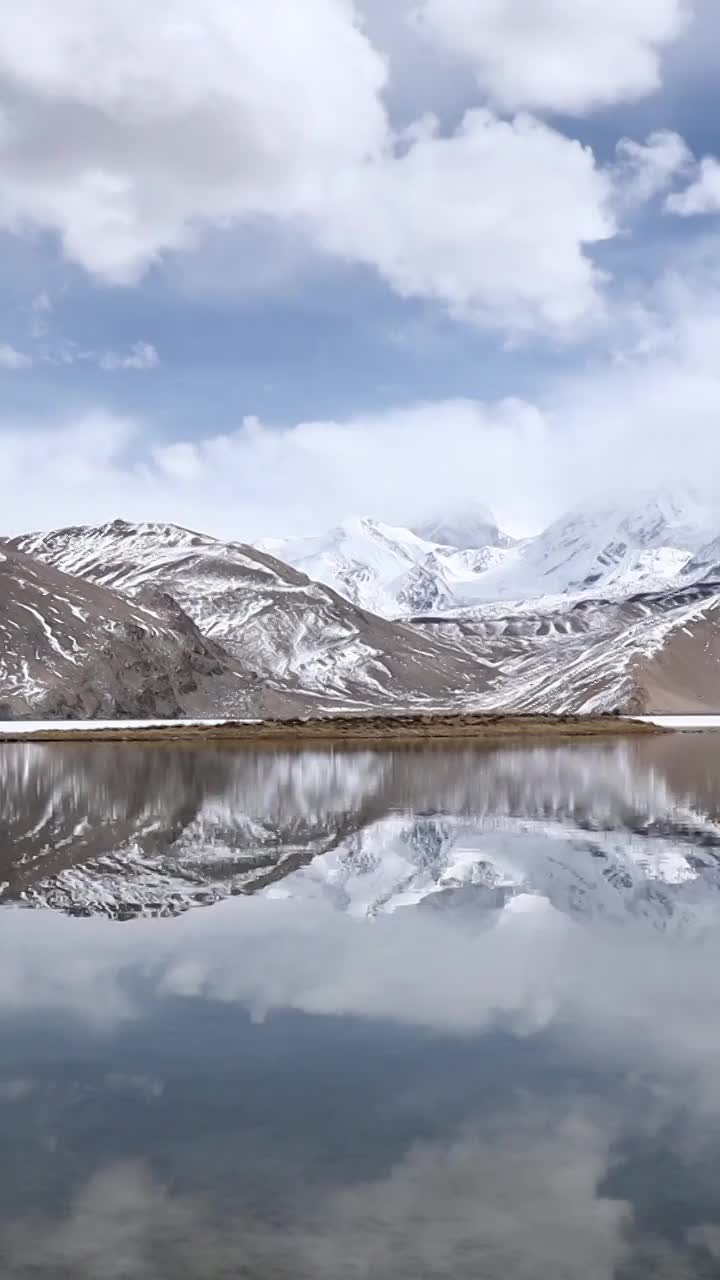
(72, 650)
(158, 621)
(302, 639)
(653, 653)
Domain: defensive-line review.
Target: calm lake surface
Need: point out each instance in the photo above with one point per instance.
(432, 1013)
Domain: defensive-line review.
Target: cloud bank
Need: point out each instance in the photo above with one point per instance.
(129, 130)
(610, 428)
(570, 57)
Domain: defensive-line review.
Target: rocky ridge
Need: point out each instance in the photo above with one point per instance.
(72, 649)
(620, 612)
(297, 640)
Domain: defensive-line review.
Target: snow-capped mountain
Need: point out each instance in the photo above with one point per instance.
(284, 643)
(642, 546)
(298, 638)
(368, 562)
(393, 571)
(71, 648)
(649, 543)
(656, 652)
(705, 564)
(444, 861)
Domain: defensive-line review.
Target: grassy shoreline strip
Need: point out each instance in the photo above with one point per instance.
(357, 728)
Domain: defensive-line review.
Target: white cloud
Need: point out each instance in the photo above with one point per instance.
(40, 310)
(644, 416)
(703, 194)
(492, 220)
(132, 124)
(143, 355)
(564, 55)
(129, 129)
(11, 358)
(645, 170)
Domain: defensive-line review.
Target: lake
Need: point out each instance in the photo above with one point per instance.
(426, 1013)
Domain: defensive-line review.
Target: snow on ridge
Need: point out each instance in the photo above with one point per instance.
(645, 543)
(559, 622)
(390, 570)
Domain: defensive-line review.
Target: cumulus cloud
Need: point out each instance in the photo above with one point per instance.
(143, 355)
(647, 169)
(129, 130)
(558, 54)
(261, 481)
(493, 220)
(127, 125)
(703, 193)
(132, 125)
(612, 426)
(11, 358)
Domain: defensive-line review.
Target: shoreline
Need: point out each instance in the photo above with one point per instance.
(331, 730)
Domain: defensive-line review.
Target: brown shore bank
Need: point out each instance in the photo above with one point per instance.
(381, 729)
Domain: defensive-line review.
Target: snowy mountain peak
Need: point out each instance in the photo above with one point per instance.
(384, 568)
(647, 520)
(595, 614)
(644, 542)
(640, 544)
(384, 534)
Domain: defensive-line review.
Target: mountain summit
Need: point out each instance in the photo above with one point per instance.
(641, 544)
(394, 571)
(610, 608)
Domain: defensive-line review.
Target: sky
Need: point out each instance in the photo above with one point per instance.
(264, 267)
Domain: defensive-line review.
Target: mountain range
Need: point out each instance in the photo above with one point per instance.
(656, 541)
(610, 608)
(287, 644)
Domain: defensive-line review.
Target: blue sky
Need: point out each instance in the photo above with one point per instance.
(239, 213)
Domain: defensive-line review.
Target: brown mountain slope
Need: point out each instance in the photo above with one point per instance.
(69, 648)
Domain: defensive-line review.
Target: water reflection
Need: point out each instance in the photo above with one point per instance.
(458, 1016)
(130, 830)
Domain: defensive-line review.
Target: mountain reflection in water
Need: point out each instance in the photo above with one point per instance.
(127, 830)
(457, 1015)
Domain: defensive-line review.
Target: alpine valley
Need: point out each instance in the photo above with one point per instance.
(609, 609)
